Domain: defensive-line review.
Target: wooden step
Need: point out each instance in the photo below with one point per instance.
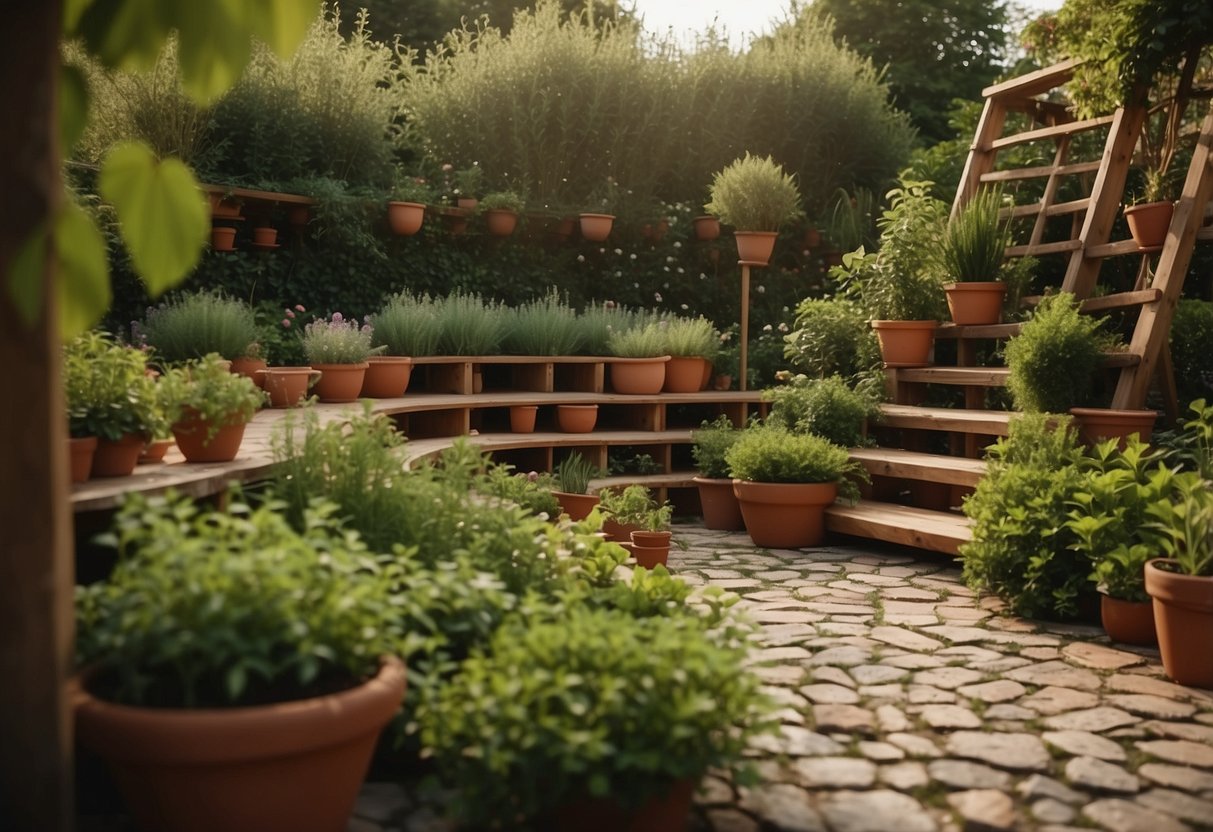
(958, 376)
(995, 331)
(981, 422)
(911, 465)
(1118, 248)
(674, 479)
(418, 449)
(935, 530)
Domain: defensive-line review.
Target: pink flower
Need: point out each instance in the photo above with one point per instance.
(337, 318)
(290, 314)
(299, 307)
(286, 322)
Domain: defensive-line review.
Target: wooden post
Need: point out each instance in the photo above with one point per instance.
(745, 322)
(36, 562)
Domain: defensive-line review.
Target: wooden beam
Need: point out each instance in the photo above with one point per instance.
(1034, 83)
(980, 161)
(1040, 172)
(1051, 132)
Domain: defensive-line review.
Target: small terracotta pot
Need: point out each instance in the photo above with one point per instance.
(905, 343)
(664, 813)
(467, 203)
(298, 216)
(1095, 424)
(405, 218)
(576, 506)
(223, 238)
(117, 458)
(340, 382)
(265, 236)
(500, 222)
(287, 386)
(387, 376)
(684, 374)
(651, 548)
(638, 376)
(707, 228)
(80, 453)
(721, 511)
(197, 445)
(785, 515)
(723, 381)
(250, 368)
(755, 247)
(155, 450)
(1183, 614)
(596, 227)
(522, 418)
(576, 418)
(975, 304)
(1149, 222)
(223, 207)
(1129, 622)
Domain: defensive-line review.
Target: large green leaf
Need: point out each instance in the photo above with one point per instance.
(281, 23)
(124, 34)
(163, 217)
(73, 106)
(213, 45)
(83, 282)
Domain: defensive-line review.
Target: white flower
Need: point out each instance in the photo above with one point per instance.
(580, 258)
(618, 251)
(683, 307)
(766, 328)
(657, 296)
(632, 256)
(762, 290)
(680, 270)
(677, 244)
(783, 327)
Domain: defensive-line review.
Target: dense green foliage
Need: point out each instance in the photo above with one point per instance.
(636, 506)
(770, 454)
(1185, 525)
(712, 441)
(975, 240)
(544, 326)
(1191, 350)
(831, 336)
(191, 326)
(406, 325)
(108, 391)
(643, 341)
(826, 407)
(207, 389)
(532, 491)
(336, 340)
(574, 472)
(754, 194)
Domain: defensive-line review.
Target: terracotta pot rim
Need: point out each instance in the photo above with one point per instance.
(787, 493)
(596, 216)
(408, 204)
(387, 359)
(1133, 209)
(713, 481)
(880, 324)
(655, 359)
(525, 407)
(359, 366)
(581, 408)
(756, 233)
(83, 441)
(976, 286)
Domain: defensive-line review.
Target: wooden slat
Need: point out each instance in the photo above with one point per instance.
(419, 449)
(1071, 207)
(980, 160)
(933, 530)
(1033, 83)
(674, 479)
(995, 331)
(262, 196)
(961, 376)
(1051, 132)
(1106, 303)
(1040, 172)
(893, 462)
(1059, 247)
(985, 422)
(1116, 249)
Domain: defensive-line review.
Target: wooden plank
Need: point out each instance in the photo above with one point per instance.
(1033, 83)
(453, 377)
(893, 462)
(980, 160)
(1014, 174)
(1059, 247)
(419, 449)
(1116, 249)
(538, 377)
(1106, 303)
(260, 196)
(1050, 194)
(986, 422)
(584, 378)
(1074, 206)
(961, 376)
(993, 331)
(1051, 132)
(1205, 233)
(511, 359)
(674, 479)
(933, 530)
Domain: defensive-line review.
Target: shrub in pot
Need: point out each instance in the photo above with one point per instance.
(632, 514)
(825, 407)
(532, 490)
(1149, 217)
(404, 328)
(236, 674)
(546, 325)
(640, 359)
(209, 407)
(784, 481)
(573, 475)
(501, 210)
(469, 325)
(715, 483)
(972, 252)
(196, 325)
(757, 198)
(693, 344)
(339, 349)
(406, 209)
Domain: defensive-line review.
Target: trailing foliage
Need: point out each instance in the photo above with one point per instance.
(825, 407)
(194, 325)
(712, 441)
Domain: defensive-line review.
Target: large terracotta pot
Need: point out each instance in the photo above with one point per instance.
(294, 766)
(664, 813)
(500, 222)
(905, 343)
(405, 218)
(192, 433)
(80, 452)
(576, 418)
(684, 374)
(638, 376)
(707, 228)
(117, 458)
(596, 227)
(250, 368)
(522, 418)
(721, 511)
(755, 247)
(1183, 614)
(1148, 223)
(1129, 622)
(1095, 424)
(576, 506)
(223, 238)
(340, 382)
(784, 515)
(387, 376)
(287, 386)
(975, 304)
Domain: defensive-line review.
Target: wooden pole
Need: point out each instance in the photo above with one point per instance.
(745, 322)
(36, 566)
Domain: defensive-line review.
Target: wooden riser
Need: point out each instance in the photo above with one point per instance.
(934, 530)
(981, 422)
(910, 465)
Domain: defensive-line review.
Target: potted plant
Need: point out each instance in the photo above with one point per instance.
(233, 671)
(467, 187)
(500, 211)
(693, 344)
(573, 476)
(339, 349)
(972, 252)
(576, 418)
(826, 407)
(651, 542)
(715, 483)
(1181, 584)
(707, 228)
(756, 197)
(265, 237)
(208, 407)
(623, 510)
(223, 238)
(406, 327)
(406, 209)
(639, 359)
(251, 363)
(1149, 217)
(194, 325)
(784, 481)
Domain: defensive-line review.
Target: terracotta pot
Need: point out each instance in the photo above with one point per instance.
(905, 343)
(638, 376)
(643, 537)
(192, 433)
(298, 216)
(1095, 424)
(224, 207)
(265, 236)
(455, 224)
(619, 532)
(155, 450)
(293, 765)
(80, 452)
(467, 203)
(1148, 223)
(653, 232)
(707, 375)
(522, 418)
(812, 238)
(650, 556)
(117, 458)
(1183, 614)
(721, 511)
(684, 375)
(723, 381)
(576, 418)
(785, 515)
(500, 222)
(387, 376)
(755, 247)
(564, 228)
(340, 382)
(287, 386)
(596, 227)
(576, 506)
(250, 368)
(974, 304)
(664, 813)
(223, 238)
(1129, 622)
(405, 218)
(707, 228)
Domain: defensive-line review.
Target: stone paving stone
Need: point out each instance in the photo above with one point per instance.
(947, 678)
(1098, 775)
(904, 776)
(1018, 752)
(984, 809)
(1041, 654)
(962, 614)
(846, 656)
(876, 674)
(962, 774)
(1178, 804)
(1125, 816)
(1085, 744)
(776, 575)
(910, 620)
(1145, 704)
(881, 752)
(714, 791)
(1000, 665)
(783, 674)
(787, 633)
(909, 593)
(1099, 657)
(969, 653)
(890, 718)
(830, 694)
(731, 820)
(1056, 674)
(913, 661)
(892, 691)
(1091, 719)
(1180, 730)
(1001, 690)
(1184, 752)
(846, 719)
(927, 695)
(1054, 700)
(1049, 810)
(836, 772)
(1038, 785)
(914, 745)
(795, 741)
(783, 616)
(783, 806)
(880, 810)
(833, 675)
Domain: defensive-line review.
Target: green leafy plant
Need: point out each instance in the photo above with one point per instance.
(712, 441)
(230, 608)
(470, 325)
(692, 338)
(975, 240)
(826, 407)
(413, 189)
(635, 506)
(574, 472)
(468, 181)
(407, 325)
(336, 340)
(1053, 360)
(754, 194)
(198, 324)
(1185, 524)
(1191, 335)
(532, 490)
(852, 219)
(546, 325)
(831, 336)
(208, 389)
(643, 341)
(1191, 446)
(770, 454)
(502, 201)
(109, 393)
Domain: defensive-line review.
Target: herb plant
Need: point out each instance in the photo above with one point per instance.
(645, 341)
(574, 472)
(546, 325)
(108, 391)
(754, 194)
(532, 491)
(635, 506)
(692, 338)
(501, 201)
(337, 341)
(208, 389)
(195, 325)
(407, 325)
(826, 407)
(469, 325)
(770, 454)
(831, 336)
(1185, 525)
(975, 241)
(712, 441)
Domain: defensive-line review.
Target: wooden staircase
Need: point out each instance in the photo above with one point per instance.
(930, 457)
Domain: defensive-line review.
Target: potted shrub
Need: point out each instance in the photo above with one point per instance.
(406, 327)
(693, 344)
(756, 197)
(233, 672)
(784, 481)
(623, 510)
(573, 476)
(545, 325)
(195, 325)
(339, 349)
(501, 210)
(467, 187)
(972, 253)
(638, 366)
(826, 407)
(1149, 218)
(651, 542)
(209, 407)
(251, 363)
(715, 483)
(406, 209)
